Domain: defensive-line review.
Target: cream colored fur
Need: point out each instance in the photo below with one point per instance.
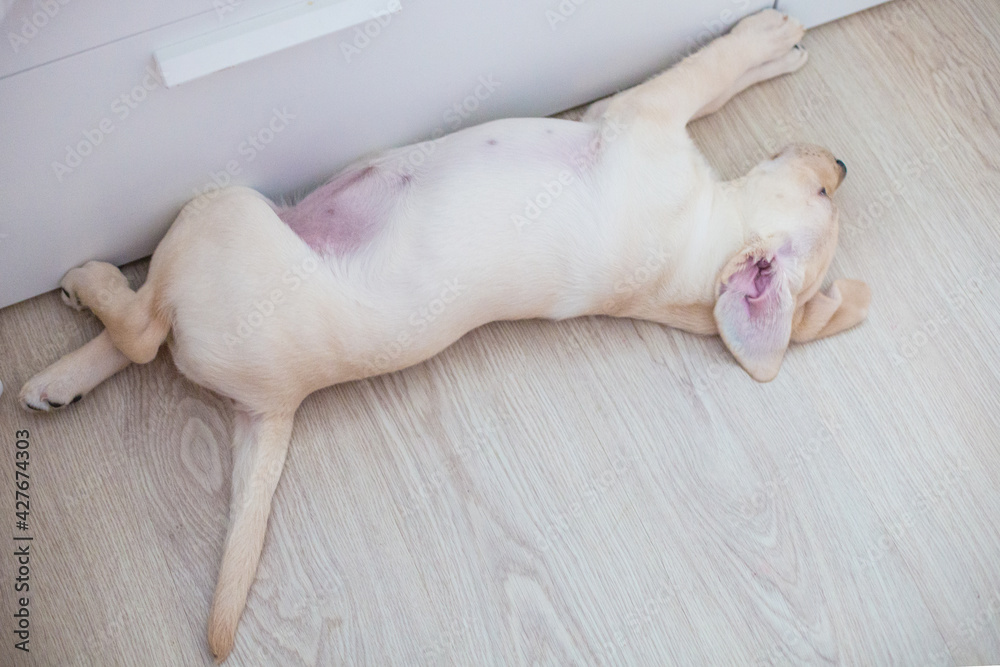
(639, 228)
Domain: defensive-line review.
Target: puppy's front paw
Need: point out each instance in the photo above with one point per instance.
(769, 34)
(48, 391)
(90, 284)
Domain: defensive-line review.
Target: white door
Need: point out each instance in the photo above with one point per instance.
(815, 12)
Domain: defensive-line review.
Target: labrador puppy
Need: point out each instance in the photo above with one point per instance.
(396, 258)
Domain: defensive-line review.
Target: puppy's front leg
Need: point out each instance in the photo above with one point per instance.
(711, 74)
(786, 64)
(260, 443)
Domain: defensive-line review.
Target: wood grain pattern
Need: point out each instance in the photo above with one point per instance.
(596, 491)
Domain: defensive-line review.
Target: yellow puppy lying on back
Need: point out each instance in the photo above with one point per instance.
(387, 264)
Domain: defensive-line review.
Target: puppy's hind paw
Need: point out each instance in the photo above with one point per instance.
(45, 394)
(70, 298)
(91, 284)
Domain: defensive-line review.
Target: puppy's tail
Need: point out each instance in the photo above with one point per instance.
(260, 443)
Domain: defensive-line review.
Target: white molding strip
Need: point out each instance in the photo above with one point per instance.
(264, 35)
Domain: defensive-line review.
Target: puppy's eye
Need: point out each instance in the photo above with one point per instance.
(822, 192)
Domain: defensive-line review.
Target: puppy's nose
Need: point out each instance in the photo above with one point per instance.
(843, 169)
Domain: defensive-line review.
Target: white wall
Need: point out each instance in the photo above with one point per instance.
(285, 122)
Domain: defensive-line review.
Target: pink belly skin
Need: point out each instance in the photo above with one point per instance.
(347, 212)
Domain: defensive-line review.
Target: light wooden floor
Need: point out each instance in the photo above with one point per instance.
(597, 491)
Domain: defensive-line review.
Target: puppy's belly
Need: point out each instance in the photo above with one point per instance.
(491, 167)
(406, 262)
(348, 211)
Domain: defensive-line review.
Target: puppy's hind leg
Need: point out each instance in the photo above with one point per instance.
(69, 379)
(131, 318)
(260, 443)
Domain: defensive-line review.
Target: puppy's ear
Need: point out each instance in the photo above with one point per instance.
(754, 307)
(845, 305)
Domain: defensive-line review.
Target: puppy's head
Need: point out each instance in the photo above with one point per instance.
(768, 293)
